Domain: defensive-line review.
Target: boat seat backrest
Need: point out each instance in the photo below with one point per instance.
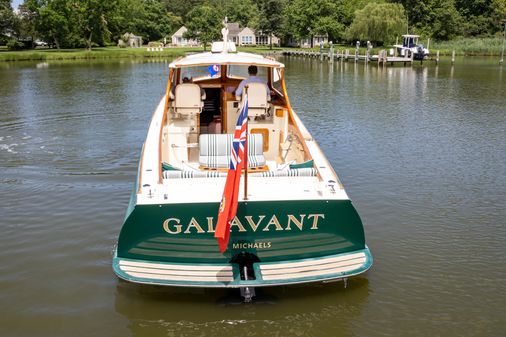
(215, 150)
(257, 99)
(188, 99)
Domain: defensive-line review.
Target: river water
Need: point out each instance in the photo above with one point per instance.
(421, 151)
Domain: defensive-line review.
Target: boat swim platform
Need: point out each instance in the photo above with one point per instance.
(322, 269)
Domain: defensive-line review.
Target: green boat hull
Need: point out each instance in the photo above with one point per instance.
(275, 232)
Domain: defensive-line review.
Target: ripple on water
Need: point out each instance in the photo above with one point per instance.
(419, 149)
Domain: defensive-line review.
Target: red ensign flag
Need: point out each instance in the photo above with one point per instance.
(238, 161)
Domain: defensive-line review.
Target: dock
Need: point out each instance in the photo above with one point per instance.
(345, 55)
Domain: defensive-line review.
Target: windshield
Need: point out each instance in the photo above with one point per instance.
(201, 72)
(241, 71)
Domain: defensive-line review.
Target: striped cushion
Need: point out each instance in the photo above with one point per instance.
(192, 174)
(215, 150)
(303, 172)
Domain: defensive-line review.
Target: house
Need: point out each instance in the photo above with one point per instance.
(233, 32)
(246, 37)
(317, 39)
(179, 40)
(265, 40)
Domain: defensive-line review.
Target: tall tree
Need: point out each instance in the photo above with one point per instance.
(436, 18)
(53, 22)
(157, 22)
(245, 12)
(481, 16)
(271, 17)
(204, 23)
(378, 22)
(92, 18)
(181, 8)
(318, 17)
(28, 15)
(6, 17)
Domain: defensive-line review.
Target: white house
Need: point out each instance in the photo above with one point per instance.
(262, 39)
(179, 40)
(317, 39)
(246, 37)
(233, 32)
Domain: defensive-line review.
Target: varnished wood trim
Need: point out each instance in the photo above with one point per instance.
(265, 133)
(291, 120)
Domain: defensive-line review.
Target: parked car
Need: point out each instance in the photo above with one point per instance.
(39, 43)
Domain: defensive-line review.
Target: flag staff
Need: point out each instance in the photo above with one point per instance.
(246, 151)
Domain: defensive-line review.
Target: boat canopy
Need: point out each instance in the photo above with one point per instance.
(226, 59)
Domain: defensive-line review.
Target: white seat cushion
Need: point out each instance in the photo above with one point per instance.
(188, 99)
(215, 150)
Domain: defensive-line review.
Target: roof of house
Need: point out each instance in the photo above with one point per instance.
(247, 31)
(233, 28)
(180, 31)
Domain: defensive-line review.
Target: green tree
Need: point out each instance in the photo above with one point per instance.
(27, 17)
(378, 22)
(204, 23)
(181, 8)
(271, 17)
(148, 19)
(435, 18)
(481, 17)
(91, 17)
(319, 17)
(245, 12)
(7, 19)
(52, 24)
(157, 22)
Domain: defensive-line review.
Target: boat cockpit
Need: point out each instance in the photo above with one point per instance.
(202, 109)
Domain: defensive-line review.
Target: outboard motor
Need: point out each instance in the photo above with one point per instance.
(419, 52)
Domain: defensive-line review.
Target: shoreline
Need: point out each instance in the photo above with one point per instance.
(47, 54)
(171, 53)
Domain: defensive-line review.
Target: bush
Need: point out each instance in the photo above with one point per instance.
(15, 45)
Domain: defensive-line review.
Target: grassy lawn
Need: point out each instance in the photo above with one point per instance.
(462, 46)
(95, 53)
(469, 46)
(44, 54)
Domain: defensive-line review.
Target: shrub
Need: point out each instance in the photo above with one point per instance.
(15, 45)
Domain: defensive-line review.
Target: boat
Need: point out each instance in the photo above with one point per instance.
(411, 48)
(294, 222)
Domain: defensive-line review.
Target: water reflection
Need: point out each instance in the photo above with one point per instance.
(419, 150)
(294, 311)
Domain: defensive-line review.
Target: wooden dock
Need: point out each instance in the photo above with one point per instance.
(345, 55)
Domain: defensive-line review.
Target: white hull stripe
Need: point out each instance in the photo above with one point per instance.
(210, 278)
(312, 268)
(168, 272)
(123, 263)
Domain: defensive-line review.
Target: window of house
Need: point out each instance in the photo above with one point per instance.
(247, 39)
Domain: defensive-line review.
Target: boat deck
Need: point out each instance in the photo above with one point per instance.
(260, 188)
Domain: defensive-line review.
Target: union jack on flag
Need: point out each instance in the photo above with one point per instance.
(238, 161)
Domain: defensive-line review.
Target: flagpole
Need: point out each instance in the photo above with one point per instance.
(246, 153)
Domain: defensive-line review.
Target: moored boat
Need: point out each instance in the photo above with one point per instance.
(294, 221)
(411, 48)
